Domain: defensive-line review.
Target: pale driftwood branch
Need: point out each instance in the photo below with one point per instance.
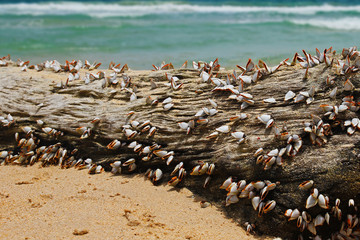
(334, 167)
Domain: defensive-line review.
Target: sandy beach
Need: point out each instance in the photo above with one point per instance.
(52, 203)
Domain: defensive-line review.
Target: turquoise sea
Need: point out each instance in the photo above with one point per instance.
(142, 33)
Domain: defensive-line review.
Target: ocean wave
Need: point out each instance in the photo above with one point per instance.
(117, 10)
(337, 24)
(253, 21)
(346, 23)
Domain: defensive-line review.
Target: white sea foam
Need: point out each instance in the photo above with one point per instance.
(113, 9)
(347, 23)
(251, 21)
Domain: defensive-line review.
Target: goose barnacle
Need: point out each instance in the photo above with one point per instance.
(258, 152)
(211, 169)
(213, 103)
(348, 86)
(231, 199)
(133, 97)
(249, 227)
(240, 136)
(151, 101)
(116, 167)
(175, 86)
(160, 153)
(27, 130)
(184, 66)
(128, 162)
(4, 154)
(213, 135)
(266, 119)
(255, 201)
(167, 100)
(132, 167)
(323, 201)
(306, 185)
(152, 131)
(99, 169)
(207, 181)
(249, 65)
(327, 218)
(204, 204)
(130, 133)
(319, 220)
(169, 160)
(168, 106)
(226, 183)
(351, 203)
(292, 214)
(157, 175)
(240, 116)
(174, 181)
(138, 148)
(203, 168)
(270, 205)
(311, 228)
(92, 169)
(269, 162)
(195, 170)
(333, 93)
(269, 100)
(177, 168)
(311, 201)
(289, 95)
(115, 144)
(258, 185)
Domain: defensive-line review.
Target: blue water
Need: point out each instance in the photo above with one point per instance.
(142, 33)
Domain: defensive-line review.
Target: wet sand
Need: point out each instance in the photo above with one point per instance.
(53, 203)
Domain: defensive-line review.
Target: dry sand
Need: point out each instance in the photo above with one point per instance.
(52, 203)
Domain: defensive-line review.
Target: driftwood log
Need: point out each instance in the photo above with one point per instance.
(334, 166)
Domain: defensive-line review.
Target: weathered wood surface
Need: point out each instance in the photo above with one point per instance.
(334, 167)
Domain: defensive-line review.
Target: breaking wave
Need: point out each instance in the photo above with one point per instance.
(346, 23)
(102, 10)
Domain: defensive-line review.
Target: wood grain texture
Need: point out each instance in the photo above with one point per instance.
(334, 167)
